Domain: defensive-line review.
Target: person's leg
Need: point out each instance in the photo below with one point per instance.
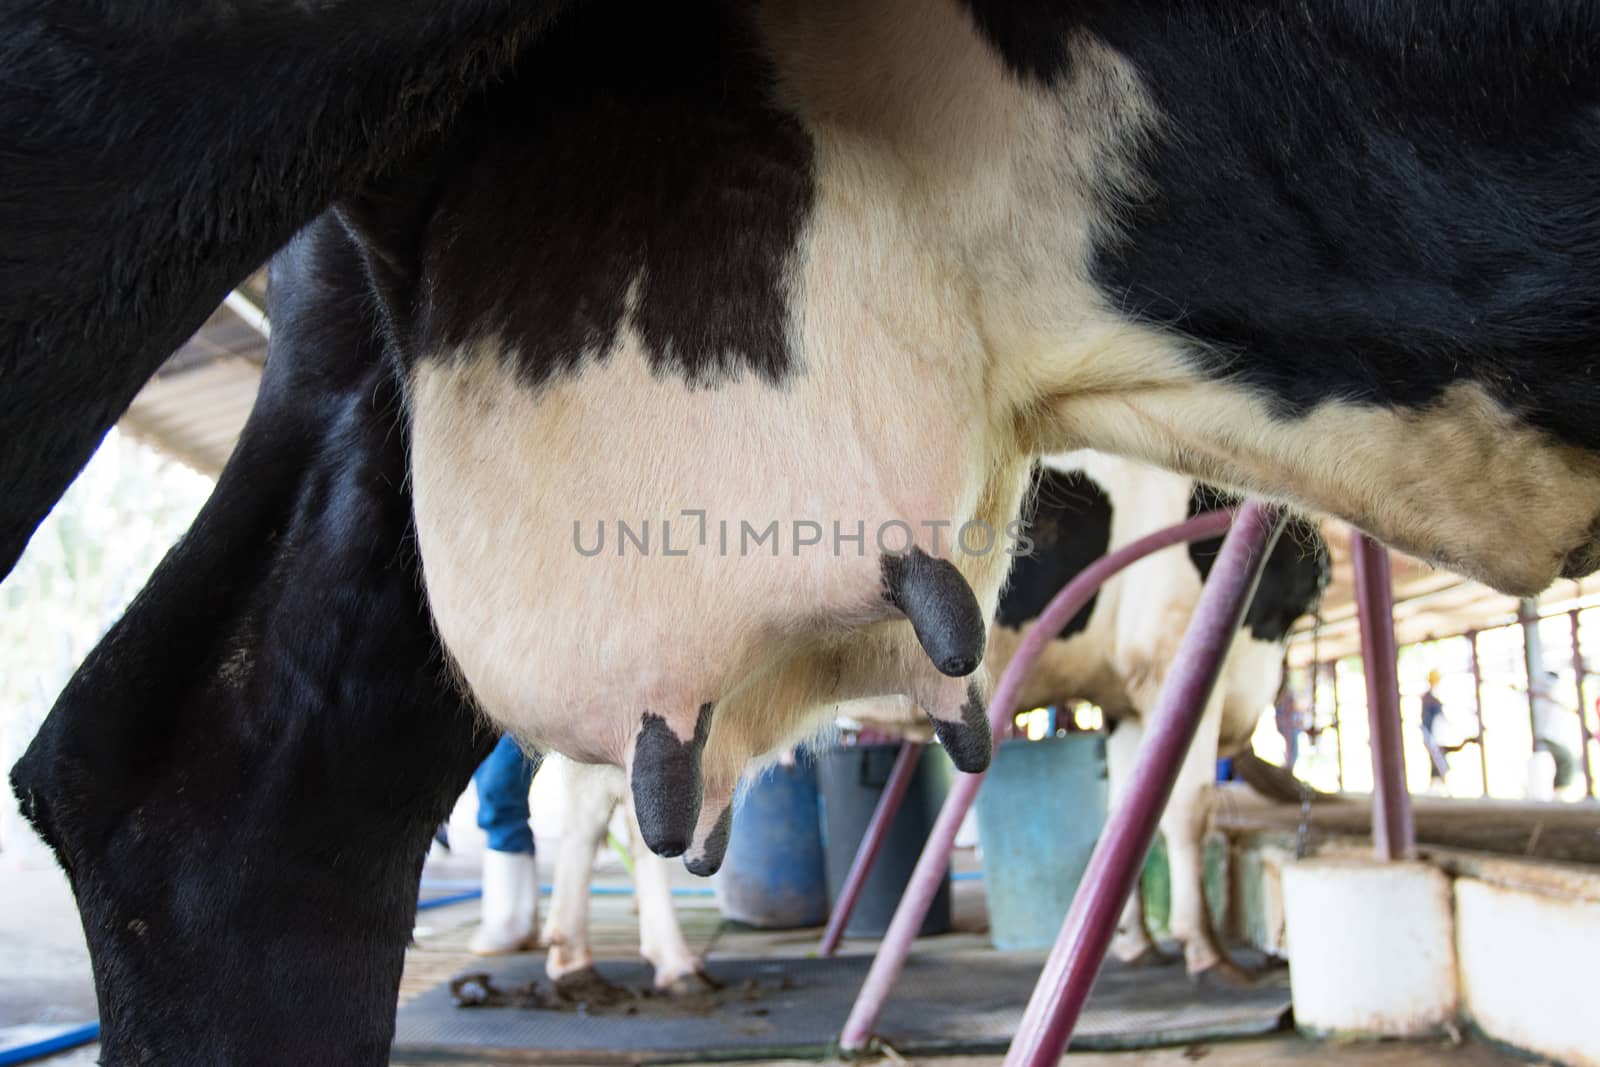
(510, 879)
(1437, 767)
(503, 781)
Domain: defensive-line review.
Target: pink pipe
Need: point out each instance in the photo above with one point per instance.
(1119, 855)
(935, 858)
(894, 791)
(1393, 832)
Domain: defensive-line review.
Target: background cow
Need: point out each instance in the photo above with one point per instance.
(591, 794)
(1117, 651)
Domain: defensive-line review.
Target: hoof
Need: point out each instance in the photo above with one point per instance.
(495, 943)
(695, 983)
(1150, 956)
(588, 988)
(1224, 974)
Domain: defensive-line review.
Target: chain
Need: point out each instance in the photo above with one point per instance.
(1302, 841)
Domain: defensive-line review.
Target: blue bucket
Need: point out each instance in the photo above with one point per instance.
(852, 780)
(1040, 812)
(772, 875)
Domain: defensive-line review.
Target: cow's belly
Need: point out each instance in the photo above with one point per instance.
(567, 628)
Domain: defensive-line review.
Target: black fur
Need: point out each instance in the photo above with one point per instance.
(667, 787)
(1359, 200)
(1070, 527)
(243, 778)
(1292, 580)
(153, 154)
(636, 155)
(942, 607)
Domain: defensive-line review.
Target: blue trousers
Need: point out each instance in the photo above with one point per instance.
(503, 780)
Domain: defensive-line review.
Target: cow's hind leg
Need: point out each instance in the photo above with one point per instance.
(1133, 943)
(1184, 825)
(243, 778)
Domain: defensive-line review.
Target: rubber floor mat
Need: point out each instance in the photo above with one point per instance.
(794, 1008)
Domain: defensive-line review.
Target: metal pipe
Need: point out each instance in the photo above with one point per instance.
(1578, 674)
(925, 878)
(894, 791)
(1338, 727)
(1393, 833)
(1477, 708)
(248, 310)
(1119, 855)
(1532, 662)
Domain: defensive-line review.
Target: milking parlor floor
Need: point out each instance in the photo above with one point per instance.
(44, 974)
(440, 953)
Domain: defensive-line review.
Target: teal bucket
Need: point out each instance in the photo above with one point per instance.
(1040, 812)
(772, 875)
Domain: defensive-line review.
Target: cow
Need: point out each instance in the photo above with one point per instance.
(798, 266)
(591, 794)
(1116, 651)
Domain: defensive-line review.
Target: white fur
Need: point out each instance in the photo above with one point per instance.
(591, 793)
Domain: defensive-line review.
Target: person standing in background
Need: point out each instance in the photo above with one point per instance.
(1432, 711)
(510, 878)
(1291, 723)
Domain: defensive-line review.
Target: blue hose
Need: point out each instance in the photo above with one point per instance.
(71, 1038)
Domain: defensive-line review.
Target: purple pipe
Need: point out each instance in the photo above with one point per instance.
(894, 791)
(1393, 833)
(935, 858)
(1119, 855)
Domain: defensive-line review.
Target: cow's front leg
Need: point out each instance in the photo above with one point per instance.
(589, 797)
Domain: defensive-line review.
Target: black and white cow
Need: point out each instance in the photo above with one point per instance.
(1118, 649)
(804, 264)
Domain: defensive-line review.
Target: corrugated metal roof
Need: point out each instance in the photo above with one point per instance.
(195, 406)
(1429, 604)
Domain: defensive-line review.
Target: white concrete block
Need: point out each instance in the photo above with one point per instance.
(1371, 947)
(1527, 963)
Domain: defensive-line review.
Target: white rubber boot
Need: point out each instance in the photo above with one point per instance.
(510, 905)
